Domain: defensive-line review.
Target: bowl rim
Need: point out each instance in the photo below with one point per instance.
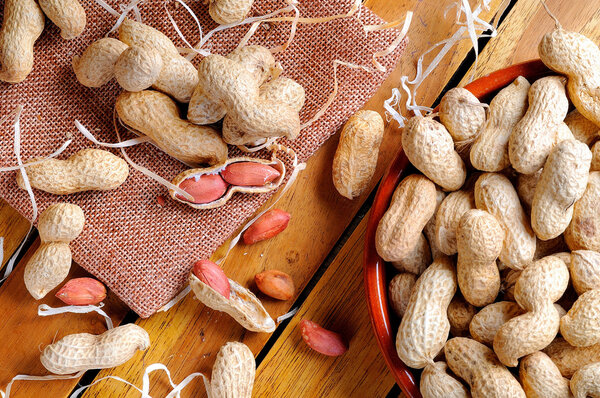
(374, 268)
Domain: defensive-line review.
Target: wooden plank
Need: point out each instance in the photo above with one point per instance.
(24, 333)
(13, 227)
(187, 338)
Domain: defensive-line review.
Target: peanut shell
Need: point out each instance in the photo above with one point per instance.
(583, 233)
(233, 372)
(581, 326)
(436, 382)
(541, 378)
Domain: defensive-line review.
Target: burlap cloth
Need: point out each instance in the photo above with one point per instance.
(141, 251)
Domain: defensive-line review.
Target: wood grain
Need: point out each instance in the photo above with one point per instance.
(187, 338)
(13, 227)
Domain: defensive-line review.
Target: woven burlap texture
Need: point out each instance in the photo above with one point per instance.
(144, 252)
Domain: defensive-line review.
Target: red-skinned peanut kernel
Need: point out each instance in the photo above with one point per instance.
(82, 291)
(212, 275)
(276, 284)
(322, 340)
(267, 226)
(205, 189)
(249, 174)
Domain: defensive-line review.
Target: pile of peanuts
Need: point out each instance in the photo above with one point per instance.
(497, 242)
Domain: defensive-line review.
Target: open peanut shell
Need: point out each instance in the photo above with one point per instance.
(242, 305)
(231, 189)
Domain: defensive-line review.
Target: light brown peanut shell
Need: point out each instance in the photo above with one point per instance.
(84, 351)
(530, 142)
(462, 114)
(430, 148)
(356, 156)
(582, 129)
(399, 230)
(138, 68)
(87, 170)
(447, 217)
(156, 115)
(436, 382)
(417, 259)
(585, 270)
(541, 378)
(586, 381)
(23, 22)
(242, 305)
(460, 314)
(61, 222)
(508, 284)
(562, 183)
(68, 15)
(583, 233)
(569, 359)
(581, 326)
(47, 268)
(495, 194)
(286, 90)
(490, 150)
(229, 11)
(480, 368)
(574, 55)
(232, 189)
(424, 327)
(233, 372)
(479, 240)
(96, 66)
(399, 291)
(486, 323)
(429, 230)
(595, 166)
(526, 184)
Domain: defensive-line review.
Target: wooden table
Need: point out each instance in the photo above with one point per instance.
(321, 249)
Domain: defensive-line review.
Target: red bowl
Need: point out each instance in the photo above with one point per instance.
(384, 321)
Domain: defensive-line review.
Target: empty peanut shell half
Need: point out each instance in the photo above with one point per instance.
(213, 186)
(242, 305)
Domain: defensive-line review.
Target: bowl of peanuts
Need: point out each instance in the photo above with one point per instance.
(397, 251)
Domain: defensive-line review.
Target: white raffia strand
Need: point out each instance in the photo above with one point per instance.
(125, 9)
(467, 30)
(287, 315)
(46, 310)
(37, 378)
(406, 25)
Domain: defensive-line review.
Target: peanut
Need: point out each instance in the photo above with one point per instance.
(447, 218)
(178, 77)
(82, 291)
(355, 159)
(582, 129)
(156, 115)
(569, 359)
(212, 275)
(417, 259)
(495, 194)
(86, 170)
(585, 270)
(490, 150)
(425, 326)
(584, 230)
(526, 184)
(540, 285)
(436, 382)
(578, 57)
(586, 381)
(460, 314)
(96, 66)
(58, 225)
(259, 61)
(480, 368)
(205, 189)
(429, 230)
(508, 283)
(68, 15)
(399, 291)
(322, 340)
(138, 68)
(242, 305)
(268, 225)
(233, 372)
(479, 240)
(562, 183)
(249, 174)
(430, 148)
(541, 378)
(529, 144)
(276, 284)
(249, 116)
(595, 166)
(562, 133)
(460, 112)
(399, 230)
(84, 351)
(229, 11)
(23, 24)
(581, 326)
(486, 323)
